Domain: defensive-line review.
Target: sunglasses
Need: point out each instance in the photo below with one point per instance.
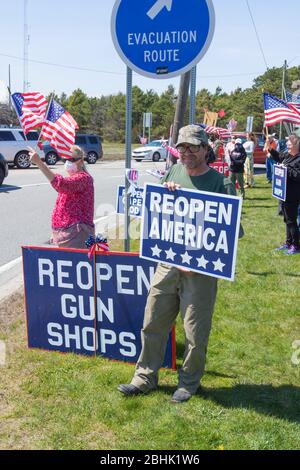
(71, 159)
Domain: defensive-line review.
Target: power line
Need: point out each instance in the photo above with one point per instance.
(293, 60)
(86, 69)
(257, 35)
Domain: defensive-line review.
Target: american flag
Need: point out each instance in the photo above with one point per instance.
(171, 150)
(59, 128)
(222, 133)
(293, 99)
(31, 109)
(277, 110)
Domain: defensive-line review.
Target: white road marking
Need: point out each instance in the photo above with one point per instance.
(101, 218)
(6, 267)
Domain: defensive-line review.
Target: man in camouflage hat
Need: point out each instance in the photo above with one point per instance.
(177, 289)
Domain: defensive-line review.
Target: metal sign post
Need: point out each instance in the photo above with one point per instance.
(147, 123)
(159, 39)
(128, 145)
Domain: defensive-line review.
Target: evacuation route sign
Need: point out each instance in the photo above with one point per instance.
(162, 38)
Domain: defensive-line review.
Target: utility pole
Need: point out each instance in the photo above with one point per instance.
(180, 107)
(26, 45)
(283, 91)
(9, 84)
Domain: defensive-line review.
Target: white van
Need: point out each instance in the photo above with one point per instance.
(14, 146)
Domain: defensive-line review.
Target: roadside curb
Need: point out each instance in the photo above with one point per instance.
(11, 280)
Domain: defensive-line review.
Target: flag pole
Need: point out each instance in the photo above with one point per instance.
(13, 103)
(285, 65)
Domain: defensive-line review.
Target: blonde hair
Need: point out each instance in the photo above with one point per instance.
(79, 153)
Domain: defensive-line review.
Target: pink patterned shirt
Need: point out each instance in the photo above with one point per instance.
(75, 201)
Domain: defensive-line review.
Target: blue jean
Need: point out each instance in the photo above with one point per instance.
(299, 216)
(269, 168)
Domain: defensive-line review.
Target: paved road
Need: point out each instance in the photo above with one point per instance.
(27, 201)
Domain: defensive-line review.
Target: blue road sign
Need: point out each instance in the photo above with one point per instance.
(162, 38)
(279, 182)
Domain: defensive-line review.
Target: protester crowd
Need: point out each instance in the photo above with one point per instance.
(176, 289)
(240, 158)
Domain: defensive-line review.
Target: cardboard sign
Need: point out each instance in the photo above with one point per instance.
(191, 229)
(220, 167)
(76, 305)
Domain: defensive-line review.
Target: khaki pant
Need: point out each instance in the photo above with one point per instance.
(72, 237)
(239, 177)
(194, 295)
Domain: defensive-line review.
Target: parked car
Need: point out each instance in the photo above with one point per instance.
(154, 151)
(3, 169)
(14, 146)
(90, 144)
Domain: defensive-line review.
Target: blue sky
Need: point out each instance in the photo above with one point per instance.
(77, 32)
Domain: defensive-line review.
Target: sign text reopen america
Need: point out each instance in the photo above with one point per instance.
(78, 278)
(183, 232)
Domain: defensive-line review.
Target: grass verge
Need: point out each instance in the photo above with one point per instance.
(114, 151)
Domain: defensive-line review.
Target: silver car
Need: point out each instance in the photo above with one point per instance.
(14, 146)
(154, 151)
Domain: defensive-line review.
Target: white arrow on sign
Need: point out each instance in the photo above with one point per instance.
(158, 6)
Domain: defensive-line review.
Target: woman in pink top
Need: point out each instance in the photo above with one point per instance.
(72, 217)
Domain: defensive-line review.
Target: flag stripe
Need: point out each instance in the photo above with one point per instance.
(223, 133)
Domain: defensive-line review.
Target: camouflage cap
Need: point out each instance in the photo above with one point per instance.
(192, 135)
